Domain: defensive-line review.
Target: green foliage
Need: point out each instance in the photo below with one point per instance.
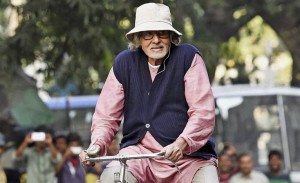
(255, 53)
(88, 31)
(91, 32)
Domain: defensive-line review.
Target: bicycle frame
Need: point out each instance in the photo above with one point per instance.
(123, 159)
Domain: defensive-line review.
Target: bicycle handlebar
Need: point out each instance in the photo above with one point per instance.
(125, 157)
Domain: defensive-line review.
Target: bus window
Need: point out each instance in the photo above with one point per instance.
(292, 117)
(251, 124)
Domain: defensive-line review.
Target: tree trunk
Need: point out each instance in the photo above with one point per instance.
(292, 41)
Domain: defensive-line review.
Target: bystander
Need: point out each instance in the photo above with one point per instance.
(41, 157)
(275, 173)
(247, 174)
(230, 150)
(225, 168)
(60, 142)
(69, 168)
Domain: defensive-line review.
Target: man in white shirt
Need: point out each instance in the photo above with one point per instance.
(247, 174)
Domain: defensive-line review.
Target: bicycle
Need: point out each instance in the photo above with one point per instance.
(120, 177)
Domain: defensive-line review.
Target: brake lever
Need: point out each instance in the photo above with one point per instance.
(175, 164)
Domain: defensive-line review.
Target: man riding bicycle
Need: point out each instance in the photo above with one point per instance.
(162, 91)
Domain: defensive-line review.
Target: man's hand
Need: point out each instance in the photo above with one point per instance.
(67, 153)
(27, 139)
(92, 151)
(174, 151)
(48, 139)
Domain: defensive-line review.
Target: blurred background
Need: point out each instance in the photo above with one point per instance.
(55, 57)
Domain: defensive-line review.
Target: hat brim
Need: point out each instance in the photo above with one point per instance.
(151, 26)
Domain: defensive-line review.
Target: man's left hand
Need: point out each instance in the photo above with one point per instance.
(174, 151)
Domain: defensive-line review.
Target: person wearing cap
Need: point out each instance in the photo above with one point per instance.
(3, 178)
(161, 90)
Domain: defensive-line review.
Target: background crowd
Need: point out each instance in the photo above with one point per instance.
(43, 156)
(55, 159)
(240, 168)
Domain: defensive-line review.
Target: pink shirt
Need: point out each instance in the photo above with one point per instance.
(109, 113)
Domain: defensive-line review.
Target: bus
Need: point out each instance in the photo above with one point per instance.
(254, 119)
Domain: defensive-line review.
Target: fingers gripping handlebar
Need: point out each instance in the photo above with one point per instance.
(124, 158)
(93, 151)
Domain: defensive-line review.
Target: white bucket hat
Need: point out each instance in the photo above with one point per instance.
(152, 17)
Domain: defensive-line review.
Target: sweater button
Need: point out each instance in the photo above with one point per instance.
(147, 125)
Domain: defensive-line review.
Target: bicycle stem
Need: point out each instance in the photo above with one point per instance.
(123, 158)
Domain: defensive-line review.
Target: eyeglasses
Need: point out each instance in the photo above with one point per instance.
(147, 35)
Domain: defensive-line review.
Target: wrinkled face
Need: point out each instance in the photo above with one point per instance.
(246, 165)
(155, 44)
(275, 163)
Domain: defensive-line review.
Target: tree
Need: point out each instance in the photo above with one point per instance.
(51, 31)
(283, 17)
(78, 39)
(216, 21)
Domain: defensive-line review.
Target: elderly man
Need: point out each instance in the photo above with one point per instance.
(162, 91)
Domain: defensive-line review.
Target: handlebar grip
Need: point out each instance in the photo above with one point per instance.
(93, 151)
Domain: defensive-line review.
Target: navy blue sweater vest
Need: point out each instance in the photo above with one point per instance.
(160, 106)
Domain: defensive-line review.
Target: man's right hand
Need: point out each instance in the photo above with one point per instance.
(92, 152)
(27, 139)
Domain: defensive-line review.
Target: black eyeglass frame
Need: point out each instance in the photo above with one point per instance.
(148, 35)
